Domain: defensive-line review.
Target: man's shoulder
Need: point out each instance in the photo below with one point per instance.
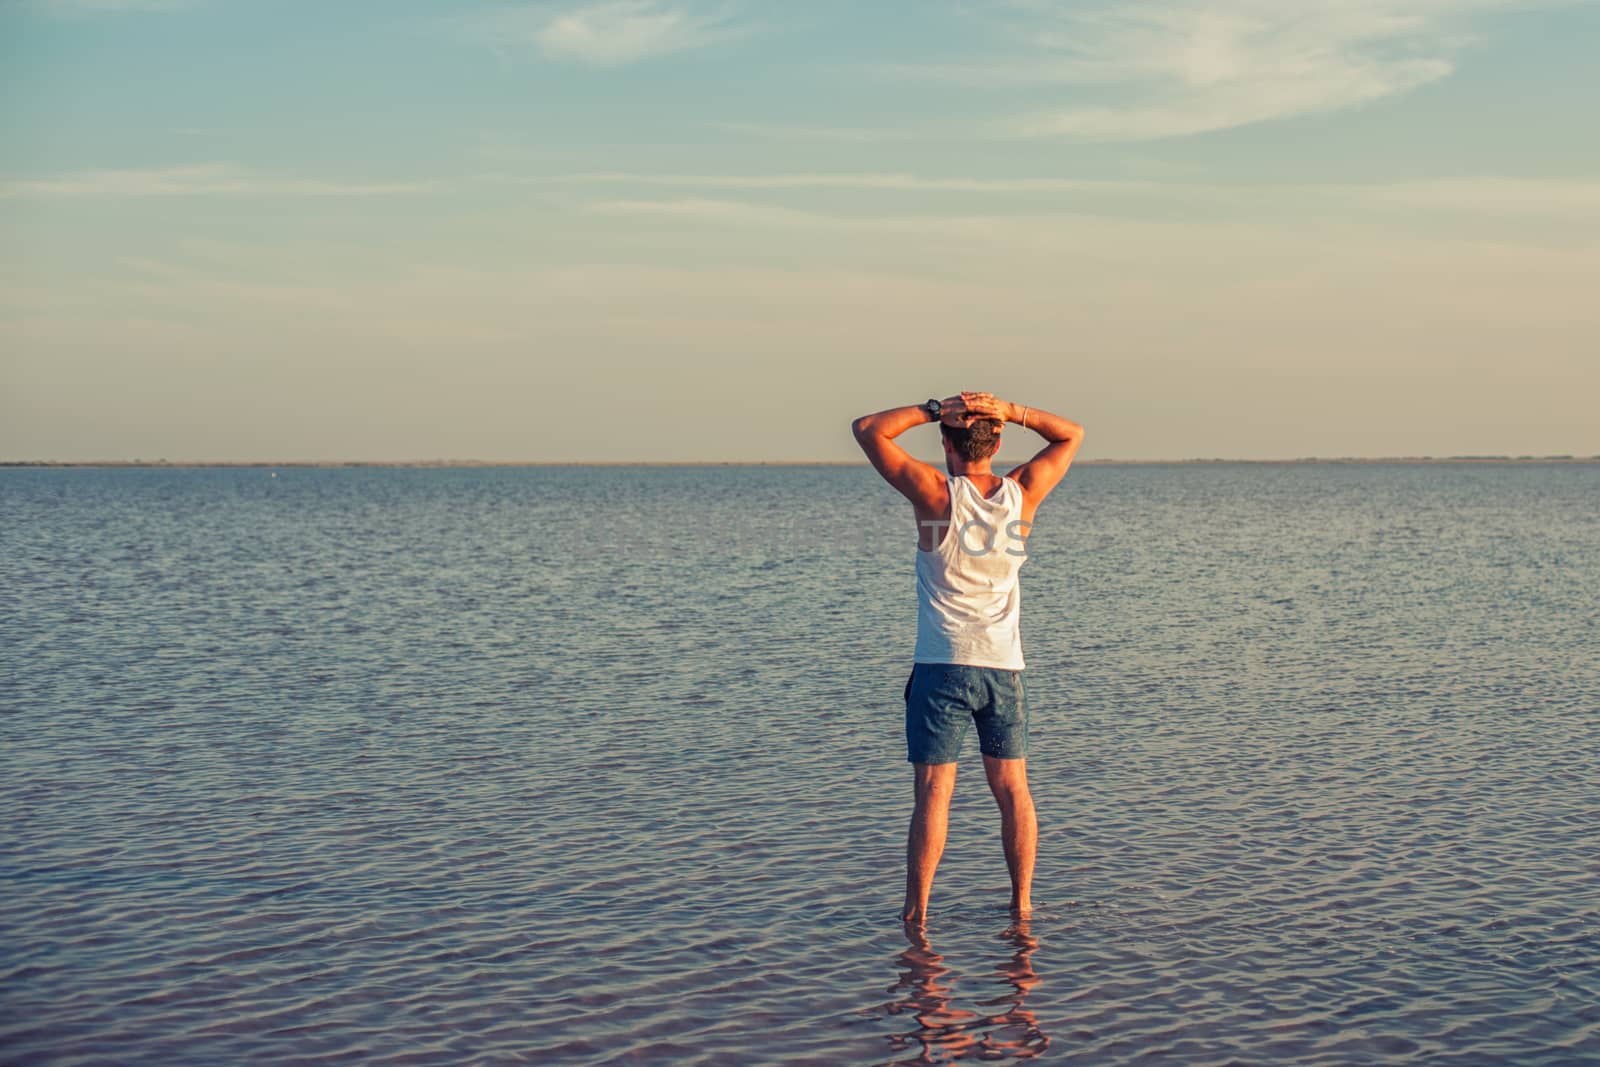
(933, 492)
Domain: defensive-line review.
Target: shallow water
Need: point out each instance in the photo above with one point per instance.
(604, 766)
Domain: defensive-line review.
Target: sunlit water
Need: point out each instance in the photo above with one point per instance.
(606, 766)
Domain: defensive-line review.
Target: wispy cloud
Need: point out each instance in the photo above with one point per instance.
(715, 212)
(96, 7)
(1163, 68)
(1225, 106)
(1575, 199)
(1477, 194)
(782, 131)
(204, 179)
(1574, 203)
(859, 182)
(606, 33)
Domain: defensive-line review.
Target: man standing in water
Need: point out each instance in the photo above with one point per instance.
(971, 529)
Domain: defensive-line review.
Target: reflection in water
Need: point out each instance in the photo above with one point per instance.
(945, 1033)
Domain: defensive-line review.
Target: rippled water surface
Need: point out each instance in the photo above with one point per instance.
(566, 765)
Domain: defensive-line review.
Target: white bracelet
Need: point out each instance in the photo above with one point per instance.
(1024, 417)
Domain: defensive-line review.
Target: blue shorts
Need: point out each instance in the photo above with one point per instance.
(943, 698)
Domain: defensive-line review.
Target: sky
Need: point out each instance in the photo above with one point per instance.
(713, 230)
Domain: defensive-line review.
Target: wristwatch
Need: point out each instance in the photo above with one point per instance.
(933, 407)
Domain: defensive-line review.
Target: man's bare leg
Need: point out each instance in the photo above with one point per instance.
(1019, 827)
(934, 782)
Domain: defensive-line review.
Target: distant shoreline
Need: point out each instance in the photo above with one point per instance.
(473, 463)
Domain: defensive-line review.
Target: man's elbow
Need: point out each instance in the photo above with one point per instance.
(858, 427)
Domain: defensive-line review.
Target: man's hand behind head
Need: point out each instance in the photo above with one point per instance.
(985, 405)
(961, 411)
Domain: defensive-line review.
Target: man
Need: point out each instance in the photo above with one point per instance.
(972, 527)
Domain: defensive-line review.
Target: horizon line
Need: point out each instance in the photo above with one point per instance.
(470, 463)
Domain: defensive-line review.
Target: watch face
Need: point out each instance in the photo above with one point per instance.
(934, 407)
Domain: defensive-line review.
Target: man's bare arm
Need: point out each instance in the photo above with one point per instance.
(1049, 465)
(876, 433)
(918, 482)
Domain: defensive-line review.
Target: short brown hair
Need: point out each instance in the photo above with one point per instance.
(978, 440)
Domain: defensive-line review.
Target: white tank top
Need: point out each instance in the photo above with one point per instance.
(969, 603)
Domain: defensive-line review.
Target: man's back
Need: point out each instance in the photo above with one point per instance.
(968, 595)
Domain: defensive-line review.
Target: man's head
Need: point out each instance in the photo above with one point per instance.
(973, 443)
